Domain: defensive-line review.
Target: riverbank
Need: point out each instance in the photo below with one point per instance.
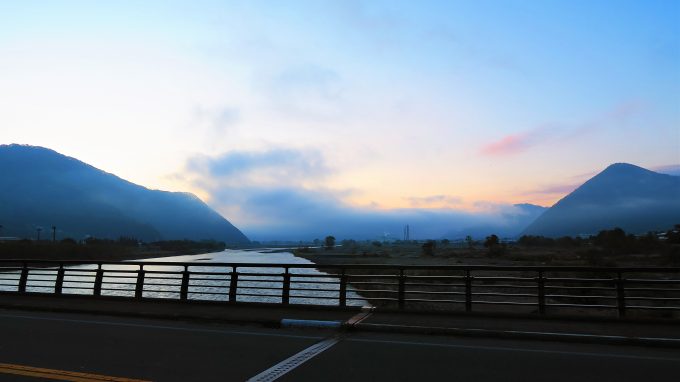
(413, 254)
(109, 252)
(111, 257)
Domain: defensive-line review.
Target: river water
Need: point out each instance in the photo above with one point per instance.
(214, 287)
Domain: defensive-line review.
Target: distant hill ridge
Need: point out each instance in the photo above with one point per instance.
(40, 187)
(623, 195)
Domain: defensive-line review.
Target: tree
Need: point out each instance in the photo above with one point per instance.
(491, 241)
(673, 235)
(615, 240)
(329, 242)
(469, 241)
(429, 247)
(494, 245)
(350, 245)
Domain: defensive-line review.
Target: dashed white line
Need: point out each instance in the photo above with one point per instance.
(288, 364)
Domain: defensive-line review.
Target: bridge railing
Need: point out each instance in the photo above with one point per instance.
(555, 290)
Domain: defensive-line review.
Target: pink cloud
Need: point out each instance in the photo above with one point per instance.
(516, 143)
(511, 144)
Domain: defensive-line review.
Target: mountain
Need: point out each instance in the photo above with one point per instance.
(508, 225)
(41, 188)
(623, 195)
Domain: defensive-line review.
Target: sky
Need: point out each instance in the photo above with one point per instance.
(291, 117)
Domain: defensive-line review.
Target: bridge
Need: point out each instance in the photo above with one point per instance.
(221, 321)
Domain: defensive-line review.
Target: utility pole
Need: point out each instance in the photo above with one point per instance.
(38, 229)
(54, 233)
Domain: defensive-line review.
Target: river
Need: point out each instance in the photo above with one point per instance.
(251, 288)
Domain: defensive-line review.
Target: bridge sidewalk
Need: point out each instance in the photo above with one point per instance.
(265, 315)
(550, 328)
(664, 332)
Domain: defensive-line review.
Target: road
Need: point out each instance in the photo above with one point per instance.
(163, 350)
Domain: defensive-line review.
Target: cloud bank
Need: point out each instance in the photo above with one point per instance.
(279, 194)
(671, 169)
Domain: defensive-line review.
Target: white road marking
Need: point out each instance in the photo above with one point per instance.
(358, 318)
(288, 364)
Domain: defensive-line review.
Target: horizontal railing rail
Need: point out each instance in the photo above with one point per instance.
(642, 291)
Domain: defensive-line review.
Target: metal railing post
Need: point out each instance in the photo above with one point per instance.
(98, 279)
(184, 288)
(401, 295)
(285, 292)
(468, 291)
(233, 285)
(541, 293)
(342, 298)
(59, 282)
(139, 287)
(620, 295)
(23, 279)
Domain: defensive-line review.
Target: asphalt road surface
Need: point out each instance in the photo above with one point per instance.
(53, 346)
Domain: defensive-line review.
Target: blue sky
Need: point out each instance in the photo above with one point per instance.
(368, 107)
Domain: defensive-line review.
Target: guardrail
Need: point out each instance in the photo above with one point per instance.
(521, 289)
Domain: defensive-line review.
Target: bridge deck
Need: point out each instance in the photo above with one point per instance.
(162, 350)
(271, 316)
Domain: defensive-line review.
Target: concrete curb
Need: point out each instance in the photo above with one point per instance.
(273, 323)
(372, 327)
(514, 334)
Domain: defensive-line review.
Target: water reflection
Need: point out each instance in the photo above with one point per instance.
(255, 284)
